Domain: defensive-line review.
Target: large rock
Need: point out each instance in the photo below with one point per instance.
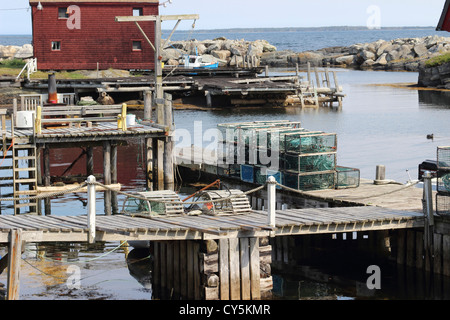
(314, 58)
(420, 50)
(7, 52)
(25, 52)
(347, 60)
(170, 53)
(221, 54)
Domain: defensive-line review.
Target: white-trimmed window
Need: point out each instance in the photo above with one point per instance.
(137, 12)
(63, 13)
(56, 45)
(137, 45)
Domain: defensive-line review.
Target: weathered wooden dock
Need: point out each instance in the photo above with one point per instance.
(223, 255)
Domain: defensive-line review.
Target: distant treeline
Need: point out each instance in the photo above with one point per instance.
(291, 29)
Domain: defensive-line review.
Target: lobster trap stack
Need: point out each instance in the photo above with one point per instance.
(296, 157)
(443, 181)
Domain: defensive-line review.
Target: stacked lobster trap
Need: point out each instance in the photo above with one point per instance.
(296, 157)
(443, 181)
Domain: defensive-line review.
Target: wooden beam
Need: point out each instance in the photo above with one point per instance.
(155, 18)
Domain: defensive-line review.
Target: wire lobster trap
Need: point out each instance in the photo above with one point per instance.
(310, 142)
(236, 202)
(443, 182)
(443, 158)
(309, 162)
(263, 173)
(347, 177)
(309, 181)
(156, 203)
(442, 204)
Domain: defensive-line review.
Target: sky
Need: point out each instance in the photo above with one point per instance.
(269, 13)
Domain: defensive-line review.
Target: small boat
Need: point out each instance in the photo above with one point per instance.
(196, 62)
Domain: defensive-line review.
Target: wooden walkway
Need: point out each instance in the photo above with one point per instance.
(254, 224)
(103, 131)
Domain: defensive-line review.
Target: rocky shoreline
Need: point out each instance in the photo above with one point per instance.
(407, 54)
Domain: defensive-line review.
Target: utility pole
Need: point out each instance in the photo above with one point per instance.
(159, 99)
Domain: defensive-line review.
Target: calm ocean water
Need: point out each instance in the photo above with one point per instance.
(294, 40)
(378, 124)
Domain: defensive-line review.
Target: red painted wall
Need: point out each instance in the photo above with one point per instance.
(446, 24)
(100, 39)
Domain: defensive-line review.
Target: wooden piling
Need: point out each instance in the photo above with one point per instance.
(107, 175)
(14, 260)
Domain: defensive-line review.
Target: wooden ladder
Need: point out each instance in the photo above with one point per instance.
(308, 94)
(24, 176)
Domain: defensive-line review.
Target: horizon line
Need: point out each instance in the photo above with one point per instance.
(268, 29)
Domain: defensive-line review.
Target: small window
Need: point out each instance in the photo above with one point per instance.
(137, 12)
(137, 46)
(56, 45)
(63, 13)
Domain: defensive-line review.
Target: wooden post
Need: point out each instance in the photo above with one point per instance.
(255, 273)
(89, 161)
(147, 105)
(14, 260)
(224, 269)
(309, 72)
(429, 221)
(91, 209)
(271, 194)
(169, 179)
(114, 201)
(46, 166)
(208, 99)
(149, 162)
(235, 288)
(107, 175)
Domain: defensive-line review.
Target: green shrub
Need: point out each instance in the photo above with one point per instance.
(437, 61)
(12, 63)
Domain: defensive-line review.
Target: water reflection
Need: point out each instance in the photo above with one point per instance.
(140, 265)
(434, 99)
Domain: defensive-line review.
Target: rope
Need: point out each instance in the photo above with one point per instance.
(47, 195)
(363, 198)
(178, 202)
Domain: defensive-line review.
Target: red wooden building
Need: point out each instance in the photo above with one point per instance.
(444, 22)
(79, 34)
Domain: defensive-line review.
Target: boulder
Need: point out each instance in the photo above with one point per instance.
(170, 53)
(420, 50)
(367, 55)
(25, 52)
(314, 58)
(221, 54)
(7, 52)
(382, 60)
(256, 49)
(347, 60)
(368, 64)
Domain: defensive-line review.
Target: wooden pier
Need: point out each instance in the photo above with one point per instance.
(202, 257)
(27, 150)
(217, 88)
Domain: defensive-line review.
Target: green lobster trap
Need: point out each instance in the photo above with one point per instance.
(263, 173)
(310, 142)
(443, 183)
(309, 162)
(156, 203)
(309, 181)
(347, 177)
